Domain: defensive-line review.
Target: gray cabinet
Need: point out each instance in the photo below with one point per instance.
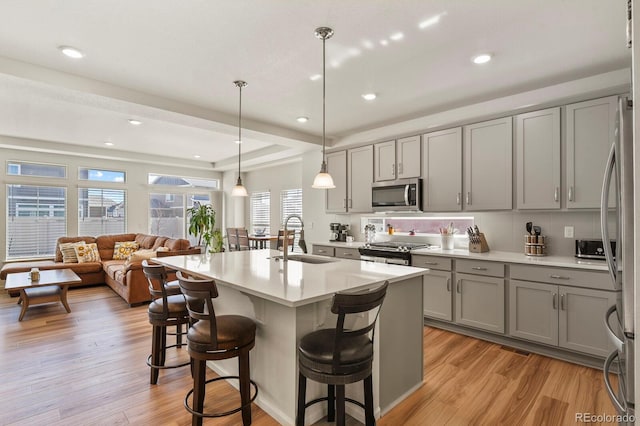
(323, 250)
(590, 130)
(437, 286)
(560, 315)
(359, 179)
(384, 166)
(442, 170)
(480, 302)
(347, 253)
(538, 159)
(408, 157)
(337, 197)
(488, 165)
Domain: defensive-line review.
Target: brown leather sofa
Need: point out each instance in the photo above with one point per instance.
(125, 277)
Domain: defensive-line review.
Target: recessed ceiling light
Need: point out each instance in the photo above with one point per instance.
(302, 119)
(384, 42)
(429, 22)
(108, 143)
(71, 52)
(196, 156)
(238, 142)
(369, 96)
(396, 36)
(315, 77)
(482, 58)
(368, 44)
(134, 122)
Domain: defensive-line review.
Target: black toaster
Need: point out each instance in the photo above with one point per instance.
(592, 249)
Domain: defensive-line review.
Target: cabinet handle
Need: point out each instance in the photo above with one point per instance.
(449, 285)
(468, 198)
(393, 169)
(555, 301)
(344, 203)
(562, 302)
(559, 277)
(458, 286)
(556, 194)
(321, 251)
(429, 263)
(458, 197)
(479, 268)
(571, 193)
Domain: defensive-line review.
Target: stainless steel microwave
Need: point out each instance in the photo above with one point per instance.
(397, 195)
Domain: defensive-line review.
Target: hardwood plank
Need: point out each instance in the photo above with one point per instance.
(88, 367)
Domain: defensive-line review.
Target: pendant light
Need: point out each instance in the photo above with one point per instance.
(323, 179)
(239, 190)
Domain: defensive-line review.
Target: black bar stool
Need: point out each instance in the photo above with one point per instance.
(339, 356)
(167, 309)
(212, 337)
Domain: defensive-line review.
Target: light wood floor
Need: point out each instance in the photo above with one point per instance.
(88, 368)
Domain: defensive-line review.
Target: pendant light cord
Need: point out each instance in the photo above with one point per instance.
(240, 131)
(324, 73)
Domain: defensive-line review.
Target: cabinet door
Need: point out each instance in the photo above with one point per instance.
(323, 250)
(337, 167)
(384, 157)
(533, 311)
(359, 178)
(538, 159)
(488, 165)
(442, 170)
(347, 253)
(437, 295)
(480, 302)
(408, 157)
(590, 133)
(581, 320)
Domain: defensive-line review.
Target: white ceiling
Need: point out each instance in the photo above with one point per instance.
(172, 65)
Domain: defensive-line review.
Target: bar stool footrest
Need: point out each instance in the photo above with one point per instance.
(226, 413)
(326, 398)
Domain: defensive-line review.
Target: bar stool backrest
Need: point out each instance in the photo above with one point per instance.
(199, 295)
(345, 304)
(157, 278)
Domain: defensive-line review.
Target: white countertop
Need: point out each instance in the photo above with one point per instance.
(293, 284)
(498, 256)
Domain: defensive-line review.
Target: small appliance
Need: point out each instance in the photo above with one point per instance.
(397, 195)
(592, 249)
(334, 229)
(396, 252)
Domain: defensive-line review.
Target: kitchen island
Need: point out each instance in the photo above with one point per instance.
(289, 300)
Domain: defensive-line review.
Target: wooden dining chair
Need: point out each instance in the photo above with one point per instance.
(243, 239)
(291, 234)
(232, 239)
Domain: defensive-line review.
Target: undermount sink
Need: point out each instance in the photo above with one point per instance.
(306, 258)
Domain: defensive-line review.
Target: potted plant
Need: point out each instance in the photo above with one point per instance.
(202, 219)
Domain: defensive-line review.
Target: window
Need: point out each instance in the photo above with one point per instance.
(36, 217)
(101, 211)
(99, 175)
(167, 213)
(260, 216)
(22, 168)
(291, 203)
(183, 182)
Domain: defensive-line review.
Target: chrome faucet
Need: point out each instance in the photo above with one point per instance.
(301, 243)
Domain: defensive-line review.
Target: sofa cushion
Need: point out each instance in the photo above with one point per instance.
(111, 267)
(142, 254)
(68, 251)
(13, 267)
(106, 243)
(80, 268)
(87, 253)
(177, 244)
(123, 249)
(146, 241)
(159, 242)
(87, 239)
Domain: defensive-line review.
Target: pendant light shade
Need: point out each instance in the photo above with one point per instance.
(239, 190)
(323, 179)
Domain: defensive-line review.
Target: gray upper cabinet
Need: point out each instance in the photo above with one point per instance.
(488, 165)
(442, 170)
(337, 167)
(359, 179)
(538, 159)
(590, 131)
(384, 161)
(408, 157)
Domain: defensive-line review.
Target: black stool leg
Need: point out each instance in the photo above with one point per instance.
(368, 401)
(163, 351)
(156, 341)
(179, 335)
(302, 396)
(245, 387)
(340, 421)
(331, 401)
(199, 378)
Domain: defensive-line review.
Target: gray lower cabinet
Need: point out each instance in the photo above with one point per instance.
(323, 250)
(437, 295)
(347, 253)
(480, 302)
(568, 317)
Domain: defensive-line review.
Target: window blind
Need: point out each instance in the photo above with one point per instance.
(260, 216)
(101, 211)
(291, 203)
(167, 215)
(36, 218)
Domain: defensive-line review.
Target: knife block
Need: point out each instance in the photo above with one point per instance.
(480, 246)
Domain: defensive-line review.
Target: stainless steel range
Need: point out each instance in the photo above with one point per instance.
(396, 252)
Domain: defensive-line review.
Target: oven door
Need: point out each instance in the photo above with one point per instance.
(391, 260)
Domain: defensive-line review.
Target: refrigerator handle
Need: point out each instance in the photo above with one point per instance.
(622, 409)
(604, 212)
(612, 335)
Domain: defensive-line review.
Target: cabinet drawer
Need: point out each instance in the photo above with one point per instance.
(323, 250)
(431, 262)
(347, 253)
(572, 277)
(480, 267)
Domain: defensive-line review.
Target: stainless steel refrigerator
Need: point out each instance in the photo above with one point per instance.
(619, 318)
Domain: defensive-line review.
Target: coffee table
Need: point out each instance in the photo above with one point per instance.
(51, 287)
